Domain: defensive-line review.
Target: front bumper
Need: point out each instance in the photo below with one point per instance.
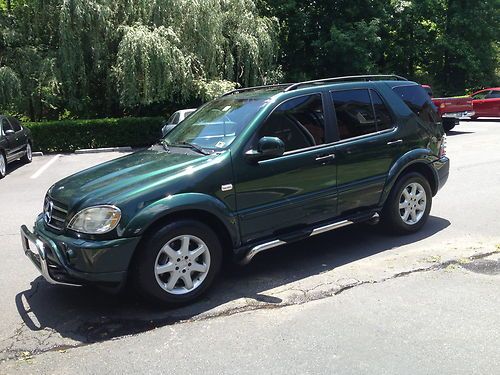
(70, 261)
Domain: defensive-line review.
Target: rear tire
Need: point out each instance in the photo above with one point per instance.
(28, 157)
(408, 206)
(177, 263)
(448, 124)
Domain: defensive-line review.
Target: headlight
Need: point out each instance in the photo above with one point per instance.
(96, 220)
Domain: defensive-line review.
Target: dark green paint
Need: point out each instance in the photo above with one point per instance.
(272, 196)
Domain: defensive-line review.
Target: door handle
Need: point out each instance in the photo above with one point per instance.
(395, 142)
(325, 157)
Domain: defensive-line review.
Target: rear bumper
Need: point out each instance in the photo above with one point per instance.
(458, 115)
(442, 168)
(70, 261)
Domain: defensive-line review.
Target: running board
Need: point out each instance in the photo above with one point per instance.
(271, 244)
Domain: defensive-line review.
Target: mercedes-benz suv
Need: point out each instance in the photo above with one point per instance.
(254, 169)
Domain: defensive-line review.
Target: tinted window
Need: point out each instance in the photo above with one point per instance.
(354, 113)
(382, 115)
(5, 125)
(494, 95)
(419, 102)
(16, 126)
(298, 122)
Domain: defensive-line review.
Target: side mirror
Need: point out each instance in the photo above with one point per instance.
(9, 132)
(267, 148)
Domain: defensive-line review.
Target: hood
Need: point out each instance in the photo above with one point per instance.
(116, 181)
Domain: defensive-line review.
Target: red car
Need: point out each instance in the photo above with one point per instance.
(486, 103)
(451, 110)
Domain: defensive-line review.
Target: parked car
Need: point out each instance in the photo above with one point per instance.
(254, 169)
(486, 103)
(15, 143)
(176, 118)
(452, 110)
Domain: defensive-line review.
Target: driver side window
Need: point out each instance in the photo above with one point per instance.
(298, 122)
(5, 125)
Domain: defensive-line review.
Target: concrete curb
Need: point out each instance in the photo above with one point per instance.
(37, 153)
(106, 149)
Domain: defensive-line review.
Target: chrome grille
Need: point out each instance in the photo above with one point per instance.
(54, 214)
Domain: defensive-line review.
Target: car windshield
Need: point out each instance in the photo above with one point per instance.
(217, 124)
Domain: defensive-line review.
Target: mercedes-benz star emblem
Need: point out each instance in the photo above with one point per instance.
(48, 211)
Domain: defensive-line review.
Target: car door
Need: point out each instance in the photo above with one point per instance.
(296, 189)
(21, 135)
(491, 104)
(10, 136)
(480, 105)
(368, 146)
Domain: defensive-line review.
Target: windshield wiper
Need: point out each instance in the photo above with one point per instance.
(192, 146)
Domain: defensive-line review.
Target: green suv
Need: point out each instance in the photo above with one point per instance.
(254, 169)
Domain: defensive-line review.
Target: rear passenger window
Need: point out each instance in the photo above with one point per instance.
(419, 102)
(354, 113)
(382, 115)
(298, 122)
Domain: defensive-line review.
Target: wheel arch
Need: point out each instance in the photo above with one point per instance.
(419, 163)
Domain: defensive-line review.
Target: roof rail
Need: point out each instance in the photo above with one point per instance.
(347, 78)
(293, 86)
(235, 91)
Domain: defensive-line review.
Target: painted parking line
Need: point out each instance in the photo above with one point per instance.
(45, 167)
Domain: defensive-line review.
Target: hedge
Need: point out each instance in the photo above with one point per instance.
(70, 135)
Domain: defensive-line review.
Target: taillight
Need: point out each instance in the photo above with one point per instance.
(442, 105)
(442, 147)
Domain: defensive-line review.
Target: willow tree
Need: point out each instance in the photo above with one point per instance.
(206, 41)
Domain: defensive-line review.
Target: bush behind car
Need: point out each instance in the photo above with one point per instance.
(70, 135)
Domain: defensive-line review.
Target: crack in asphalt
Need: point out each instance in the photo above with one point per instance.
(116, 329)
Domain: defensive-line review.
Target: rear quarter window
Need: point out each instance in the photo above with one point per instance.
(417, 99)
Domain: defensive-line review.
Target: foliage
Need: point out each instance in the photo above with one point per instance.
(98, 58)
(70, 135)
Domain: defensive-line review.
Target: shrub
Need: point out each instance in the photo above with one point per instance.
(70, 135)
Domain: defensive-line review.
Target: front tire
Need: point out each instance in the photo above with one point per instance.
(178, 263)
(3, 165)
(408, 206)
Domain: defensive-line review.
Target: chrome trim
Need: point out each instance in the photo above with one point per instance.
(331, 156)
(271, 244)
(257, 249)
(330, 227)
(395, 142)
(58, 208)
(27, 238)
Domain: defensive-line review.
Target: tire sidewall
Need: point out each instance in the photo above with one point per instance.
(2, 175)
(392, 215)
(144, 278)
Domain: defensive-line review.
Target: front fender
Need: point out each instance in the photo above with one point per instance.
(178, 203)
(418, 156)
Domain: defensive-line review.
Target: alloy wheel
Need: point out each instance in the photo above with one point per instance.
(182, 264)
(412, 203)
(3, 165)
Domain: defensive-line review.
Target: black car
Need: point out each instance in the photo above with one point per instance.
(15, 143)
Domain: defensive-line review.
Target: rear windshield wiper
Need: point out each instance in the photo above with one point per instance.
(192, 146)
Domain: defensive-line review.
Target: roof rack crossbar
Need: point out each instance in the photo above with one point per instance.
(345, 78)
(235, 91)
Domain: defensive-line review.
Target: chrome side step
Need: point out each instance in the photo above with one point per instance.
(269, 245)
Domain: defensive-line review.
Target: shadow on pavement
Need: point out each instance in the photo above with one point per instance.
(455, 132)
(88, 315)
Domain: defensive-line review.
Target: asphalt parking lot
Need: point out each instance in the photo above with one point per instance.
(351, 301)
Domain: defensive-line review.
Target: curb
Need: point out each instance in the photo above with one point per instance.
(37, 153)
(106, 149)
